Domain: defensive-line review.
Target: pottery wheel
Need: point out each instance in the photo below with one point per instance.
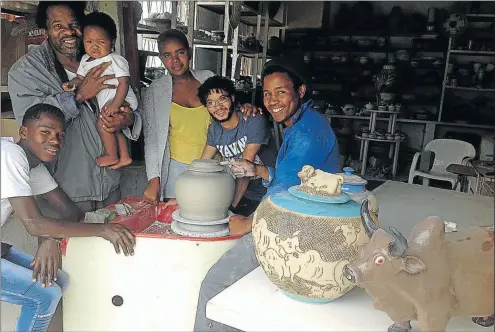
(195, 228)
(200, 230)
(176, 216)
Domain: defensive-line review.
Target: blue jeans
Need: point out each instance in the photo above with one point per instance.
(38, 304)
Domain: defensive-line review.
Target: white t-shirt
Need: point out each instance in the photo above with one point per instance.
(119, 68)
(18, 179)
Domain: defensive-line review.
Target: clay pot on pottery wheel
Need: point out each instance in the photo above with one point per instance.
(204, 191)
(305, 236)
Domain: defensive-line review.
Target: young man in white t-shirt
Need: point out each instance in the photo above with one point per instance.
(24, 177)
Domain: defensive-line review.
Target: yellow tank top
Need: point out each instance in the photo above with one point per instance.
(187, 132)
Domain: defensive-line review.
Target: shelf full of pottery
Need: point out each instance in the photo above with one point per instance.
(392, 135)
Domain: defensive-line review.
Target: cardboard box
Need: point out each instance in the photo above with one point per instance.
(10, 129)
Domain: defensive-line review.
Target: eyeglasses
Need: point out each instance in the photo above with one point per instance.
(221, 101)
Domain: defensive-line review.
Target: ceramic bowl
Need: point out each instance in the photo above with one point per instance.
(369, 106)
(380, 136)
(372, 135)
(387, 97)
(397, 136)
(382, 108)
(363, 60)
(390, 136)
(391, 108)
(349, 111)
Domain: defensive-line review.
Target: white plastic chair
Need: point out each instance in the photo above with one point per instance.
(447, 151)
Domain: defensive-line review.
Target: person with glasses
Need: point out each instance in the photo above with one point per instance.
(308, 140)
(175, 122)
(234, 136)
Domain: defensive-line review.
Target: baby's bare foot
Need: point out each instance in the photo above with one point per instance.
(106, 160)
(124, 161)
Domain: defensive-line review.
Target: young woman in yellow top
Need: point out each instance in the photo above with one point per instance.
(174, 121)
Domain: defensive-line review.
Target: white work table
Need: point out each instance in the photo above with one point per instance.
(255, 304)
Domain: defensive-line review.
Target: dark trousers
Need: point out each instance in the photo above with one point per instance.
(245, 207)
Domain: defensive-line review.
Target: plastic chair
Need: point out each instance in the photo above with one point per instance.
(447, 151)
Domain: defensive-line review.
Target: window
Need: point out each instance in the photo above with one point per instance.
(148, 42)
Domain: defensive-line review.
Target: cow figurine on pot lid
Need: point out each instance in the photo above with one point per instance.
(429, 277)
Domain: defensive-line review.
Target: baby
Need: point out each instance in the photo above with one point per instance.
(99, 34)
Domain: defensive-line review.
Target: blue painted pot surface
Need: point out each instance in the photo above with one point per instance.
(352, 187)
(313, 208)
(307, 299)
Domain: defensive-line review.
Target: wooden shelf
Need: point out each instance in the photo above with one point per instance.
(468, 125)
(205, 43)
(468, 89)
(248, 14)
(379, 139)
(366, 118)
(470, 52)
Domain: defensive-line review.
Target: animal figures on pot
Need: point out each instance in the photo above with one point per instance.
(320, 183)
(429, 277)
(305, 236)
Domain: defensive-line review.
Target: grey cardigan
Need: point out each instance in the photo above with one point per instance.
(157, 99)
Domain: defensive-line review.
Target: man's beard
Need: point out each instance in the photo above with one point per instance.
(69, 51)
(231, 112)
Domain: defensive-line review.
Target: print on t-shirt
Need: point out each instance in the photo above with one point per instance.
(231, 144)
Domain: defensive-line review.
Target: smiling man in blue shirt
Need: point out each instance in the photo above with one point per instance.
(308, 140)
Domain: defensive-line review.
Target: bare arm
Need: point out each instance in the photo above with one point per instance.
(250, 152)
(36, 224)
(64, 205)
(122, 90)
(262, 171)
(208, 152)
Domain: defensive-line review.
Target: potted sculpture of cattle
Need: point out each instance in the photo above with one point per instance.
(305, 236)
(429, 277)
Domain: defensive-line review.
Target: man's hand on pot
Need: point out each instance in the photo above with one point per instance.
(120, 237)
(93, 82)
(45, 263)
(242, 168)
(249, 109)
(123, 118)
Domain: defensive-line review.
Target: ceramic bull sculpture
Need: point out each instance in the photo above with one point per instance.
(429, 277)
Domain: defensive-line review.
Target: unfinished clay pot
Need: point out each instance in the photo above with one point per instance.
(204, 191)
(305, 236)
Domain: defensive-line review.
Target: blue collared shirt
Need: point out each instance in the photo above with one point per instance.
(309, 141)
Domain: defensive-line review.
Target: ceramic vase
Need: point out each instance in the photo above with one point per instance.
(355, 186)
(205, 191)
(303, 241)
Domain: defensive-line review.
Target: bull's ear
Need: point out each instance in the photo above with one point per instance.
(412, 265)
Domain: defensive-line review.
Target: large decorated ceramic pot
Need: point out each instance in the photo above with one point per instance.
(205, 191)
(305, 236)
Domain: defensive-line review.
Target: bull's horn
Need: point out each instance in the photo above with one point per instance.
(369, 225)
(398, 246)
